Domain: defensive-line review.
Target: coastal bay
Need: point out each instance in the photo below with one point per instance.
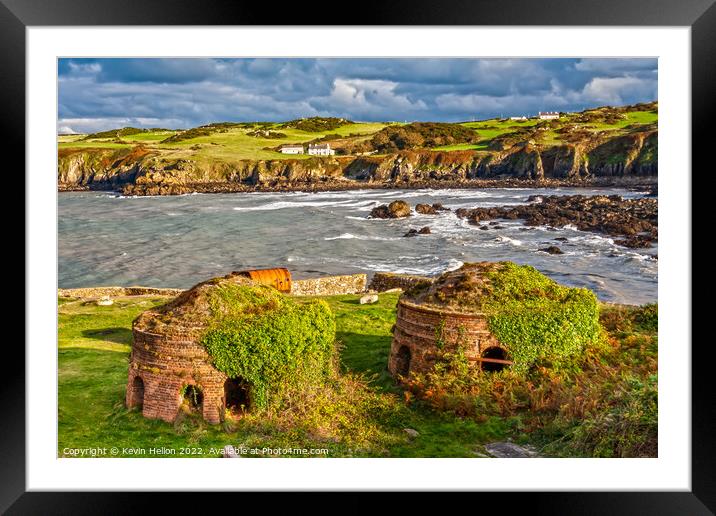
(176, 241)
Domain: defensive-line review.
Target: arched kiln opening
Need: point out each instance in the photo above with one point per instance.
(402, 361)
(236, 396)
(193, 397)
(137, 396)
(494, 359)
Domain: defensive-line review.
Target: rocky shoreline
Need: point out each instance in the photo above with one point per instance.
(635, 220)
(641, 183)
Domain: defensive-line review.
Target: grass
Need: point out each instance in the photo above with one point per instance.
(361, 413)
(235, 144)
(493, 128)
(83, 324)
(460, 146)
(153, 136)
(93, 144)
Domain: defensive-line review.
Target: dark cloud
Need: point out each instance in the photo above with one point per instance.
(97, 94)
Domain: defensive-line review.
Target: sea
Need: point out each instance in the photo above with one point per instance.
(177, 241)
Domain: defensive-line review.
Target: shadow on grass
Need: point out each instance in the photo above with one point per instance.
(350, 301)
(361, 353)
(118, 335)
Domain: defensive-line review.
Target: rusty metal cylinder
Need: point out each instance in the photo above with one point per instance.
(278, 278)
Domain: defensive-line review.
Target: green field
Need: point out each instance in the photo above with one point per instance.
(607, 408)
(235, 143)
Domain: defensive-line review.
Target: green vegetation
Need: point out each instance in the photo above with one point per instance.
(539, 321)
(152, 136)
(92, 144)
(419, 135)
(123, 132)
(221, 142)
(488, 130)
(316, 124)
(204, 130)
(606, 406)
(84, 325)
(227, 142)
(265, 133)
(275, 344)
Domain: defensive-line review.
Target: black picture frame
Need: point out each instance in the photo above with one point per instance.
(700, 15)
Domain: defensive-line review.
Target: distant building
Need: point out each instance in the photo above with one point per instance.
(292, 149)
(320, 149)
(548, 115)
(518, 118)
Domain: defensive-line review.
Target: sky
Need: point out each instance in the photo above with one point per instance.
(101, 94)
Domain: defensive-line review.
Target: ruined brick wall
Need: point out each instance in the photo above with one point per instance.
(383, 281)
(165, 364)
(419, 328)
(329, 285)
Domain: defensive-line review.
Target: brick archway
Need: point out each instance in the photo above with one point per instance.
(193, 397)
(237, 396)
(135, 397)
(494, 359)
(402, 361)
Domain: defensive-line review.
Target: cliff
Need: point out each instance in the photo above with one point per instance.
(600, 143)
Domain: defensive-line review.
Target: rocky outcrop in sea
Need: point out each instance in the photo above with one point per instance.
(635, 220)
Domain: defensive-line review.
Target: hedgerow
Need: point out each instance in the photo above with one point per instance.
(274, 343)
(421, 134)
(316, 124)
(116, 133)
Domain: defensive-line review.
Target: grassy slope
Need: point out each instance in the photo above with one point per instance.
(489, 129)
(93, 358)
(235, 144)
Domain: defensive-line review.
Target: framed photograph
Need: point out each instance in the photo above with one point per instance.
(437, 249)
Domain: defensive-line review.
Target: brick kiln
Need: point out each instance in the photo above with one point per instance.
(426, 325)
(170, 367)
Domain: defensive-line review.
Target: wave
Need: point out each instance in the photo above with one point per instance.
(351, 236)
(593, 239)
(507, 240)
(429, 269)
(280, 205)
(427, 264)
(105, 196)
(639, 257)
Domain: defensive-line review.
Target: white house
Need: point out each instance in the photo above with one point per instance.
(320, 149)
(292, 149)
(518, 118)
(548, 115)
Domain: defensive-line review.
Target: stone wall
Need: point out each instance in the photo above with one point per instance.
(383, 281)
(97, 292)
(329, 285)
(324, 286)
